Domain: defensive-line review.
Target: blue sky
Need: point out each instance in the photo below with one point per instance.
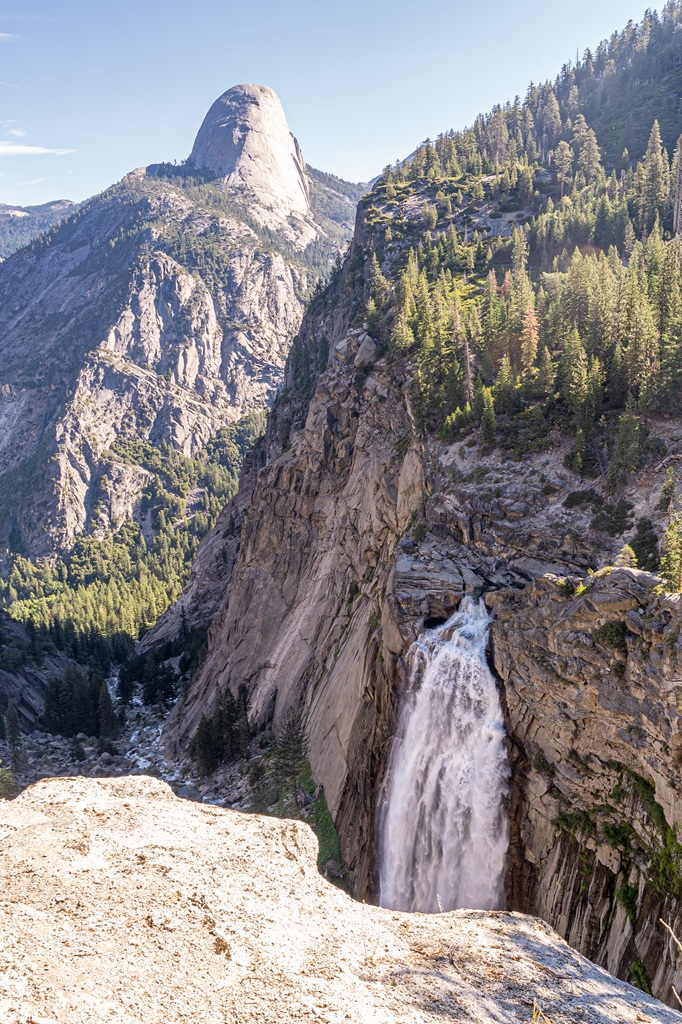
(90, 90)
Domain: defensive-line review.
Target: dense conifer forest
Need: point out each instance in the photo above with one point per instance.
(527, 274)
(97, 600)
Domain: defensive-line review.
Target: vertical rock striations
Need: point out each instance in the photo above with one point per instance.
(591, 676)
(300, 619)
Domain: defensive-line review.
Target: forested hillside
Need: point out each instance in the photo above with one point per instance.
(540, 287)
(20, 225)
(629, 80)
(95, 601)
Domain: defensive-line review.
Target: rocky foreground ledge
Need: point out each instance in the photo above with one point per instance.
(121, 903)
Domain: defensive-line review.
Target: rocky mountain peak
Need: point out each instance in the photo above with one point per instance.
(246, 139)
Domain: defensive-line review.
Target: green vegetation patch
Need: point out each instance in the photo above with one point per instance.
(95, 601)
(326, 833)
(576, 822)
(638, 976)
(613, 518)
(584, 498)
(613, 635)
(626, 896)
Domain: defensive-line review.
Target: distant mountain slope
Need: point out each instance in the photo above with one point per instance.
(159, 312)
(19, 225)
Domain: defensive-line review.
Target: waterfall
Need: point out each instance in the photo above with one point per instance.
(443, 832)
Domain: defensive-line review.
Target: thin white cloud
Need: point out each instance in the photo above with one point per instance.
(7, 37)
(19, 149)
(33, 181)
(16, 133)
(8, 85)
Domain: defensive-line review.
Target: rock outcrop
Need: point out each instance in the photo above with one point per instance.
(591, 676)
(160, 311)
(245, 140)
(122, 902)
(23, 677)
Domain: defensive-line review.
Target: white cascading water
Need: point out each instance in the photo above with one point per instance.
(443, 832)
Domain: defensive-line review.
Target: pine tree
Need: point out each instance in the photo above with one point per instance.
(677, 215)
(668, 492)
(379, 286)
(617, 377)
(671, 562)
(106, 713)
(492, 319)
(563, 157)
(402, 336)
(626, 558)
(488, 433)
(478, 404)
(628, 451)
(505, 389)
(8, 784)
(546, 375)
(574, 376)
(530, 337)
(645, 545)
(655, 184)
(289, 760)
(578, 456)
(467, 379)
(589, 157)
(203, 747)
(258, 785)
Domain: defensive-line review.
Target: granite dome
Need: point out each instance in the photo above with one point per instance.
(245, 138)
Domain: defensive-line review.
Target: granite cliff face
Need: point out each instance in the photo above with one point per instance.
(354, 533)
(160, 311)
(22, 679)
(591, 674)
(245, 140)
(123, 901)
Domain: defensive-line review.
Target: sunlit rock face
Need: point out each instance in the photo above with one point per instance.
(245, 138)
(159, 312)
(131, 905)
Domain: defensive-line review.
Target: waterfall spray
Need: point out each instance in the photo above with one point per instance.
(443, 832)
